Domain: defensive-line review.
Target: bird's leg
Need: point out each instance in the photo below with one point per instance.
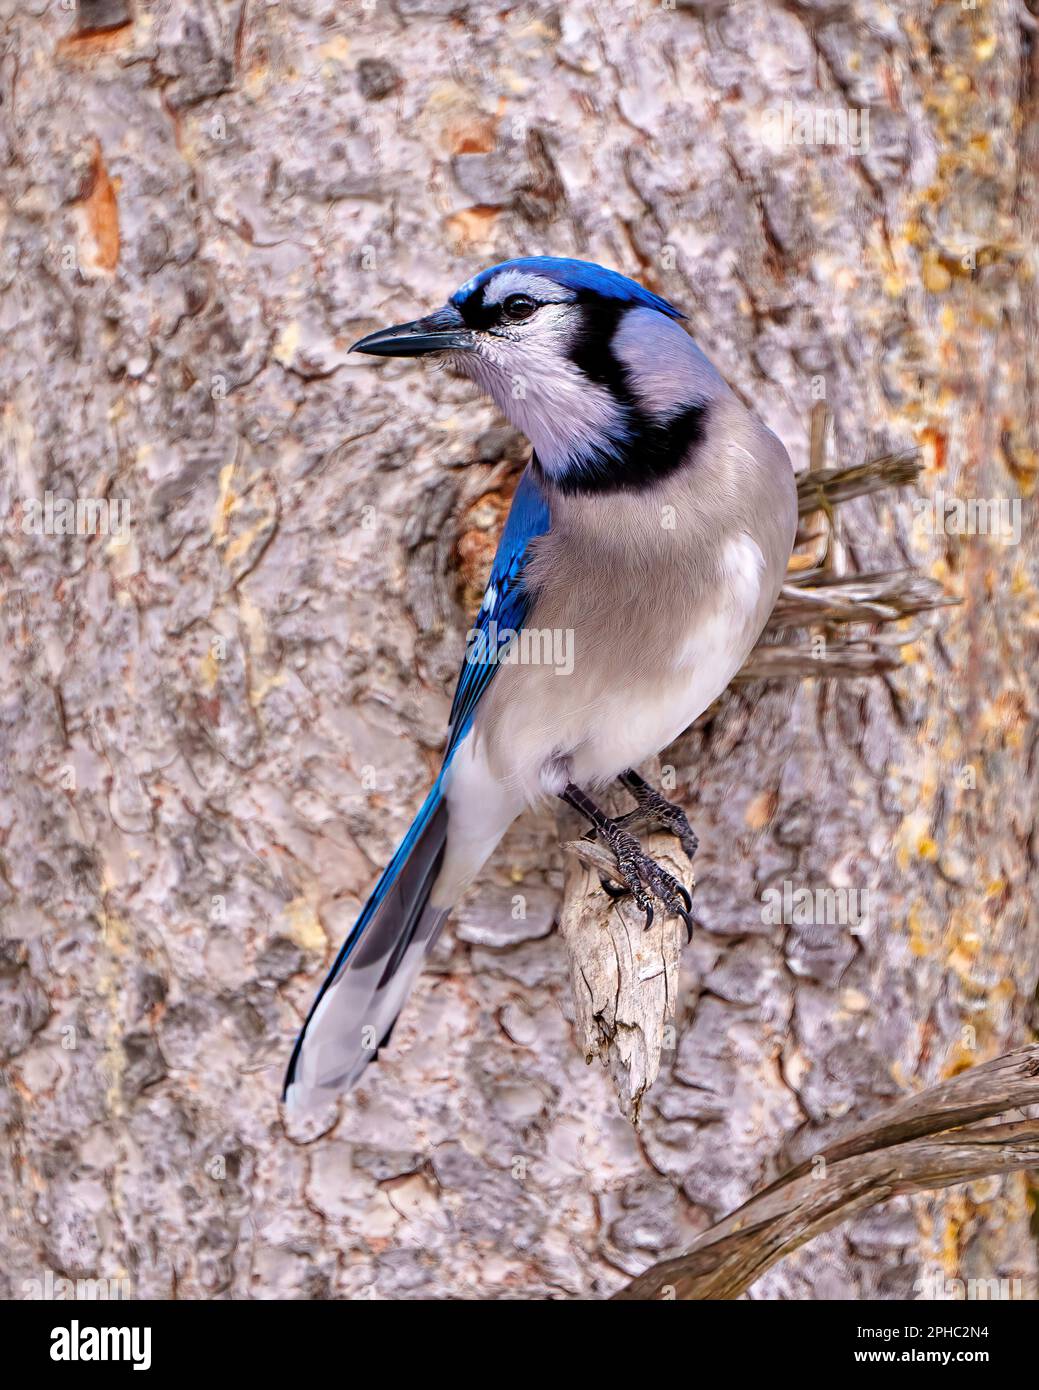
(655, 812)
(635, 869)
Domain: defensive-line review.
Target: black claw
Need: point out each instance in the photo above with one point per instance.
(611, 889)
(688, 925)
(649, 915)
(686, 897)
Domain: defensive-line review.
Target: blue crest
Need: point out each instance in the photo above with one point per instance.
(574, 275)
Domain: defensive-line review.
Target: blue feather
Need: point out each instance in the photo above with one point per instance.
(574, 275)
(506, 602)
(505, 605)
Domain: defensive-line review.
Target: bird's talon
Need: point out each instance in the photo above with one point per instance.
(688, 924)
(611, 889)
(657, 812)
(634, 869)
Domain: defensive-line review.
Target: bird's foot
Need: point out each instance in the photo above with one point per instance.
(655, 812)
(636, 872)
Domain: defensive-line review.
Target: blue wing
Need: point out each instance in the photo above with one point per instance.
(368, 982)
(505, 604)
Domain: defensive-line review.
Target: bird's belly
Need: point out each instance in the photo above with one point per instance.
(641, 718)
(644, 662)
(615, 709)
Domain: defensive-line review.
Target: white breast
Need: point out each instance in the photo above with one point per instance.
(706, 659)
(722, 639)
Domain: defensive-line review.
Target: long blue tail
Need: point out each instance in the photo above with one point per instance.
(358, 1004)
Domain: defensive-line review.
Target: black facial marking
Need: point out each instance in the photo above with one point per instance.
(478, 314)
(651, 452)
(592, 349)
(646, 450)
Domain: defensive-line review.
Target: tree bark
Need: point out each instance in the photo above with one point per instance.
(214, 733)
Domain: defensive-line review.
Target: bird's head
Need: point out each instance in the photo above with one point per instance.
(592, 367)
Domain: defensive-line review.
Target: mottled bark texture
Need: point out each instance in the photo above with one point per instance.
(214, 733)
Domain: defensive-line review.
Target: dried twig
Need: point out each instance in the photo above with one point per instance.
(832, 603)
(825, 488)
(856, 598)
(934, 1139)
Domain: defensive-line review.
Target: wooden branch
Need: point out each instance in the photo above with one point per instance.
(931, 1140)
(624, 978)
(855, 598)
(842, 656)
(824, 488)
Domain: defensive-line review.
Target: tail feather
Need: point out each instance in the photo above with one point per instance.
(365, 990)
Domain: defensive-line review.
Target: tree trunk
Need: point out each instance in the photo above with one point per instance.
(217, 723)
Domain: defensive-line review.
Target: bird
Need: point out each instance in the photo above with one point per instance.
(652, 527)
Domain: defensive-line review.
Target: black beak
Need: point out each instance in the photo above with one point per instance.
(444, 331)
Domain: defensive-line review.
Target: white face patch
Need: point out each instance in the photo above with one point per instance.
(525, 368)
(541, 392)
(538, 287)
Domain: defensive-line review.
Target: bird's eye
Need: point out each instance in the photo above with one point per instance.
(518, 306)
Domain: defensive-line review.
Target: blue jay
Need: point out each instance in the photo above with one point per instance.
(654, 523)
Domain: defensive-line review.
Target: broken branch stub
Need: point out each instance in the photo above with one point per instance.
(624, 978)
